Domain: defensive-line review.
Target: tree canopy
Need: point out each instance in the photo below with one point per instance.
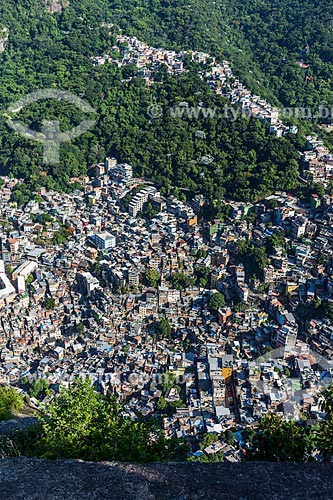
(46, 51)
(10, 401)
(82, 423)
(216, 301)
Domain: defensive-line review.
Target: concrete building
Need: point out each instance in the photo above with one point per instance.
(104, 241)
(298, 227)
(6, 288)
(88, 282)
(140, 199)
(287, 336)
(119, 172)
(25, 269)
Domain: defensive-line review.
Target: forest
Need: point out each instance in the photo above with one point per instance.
(54, 51)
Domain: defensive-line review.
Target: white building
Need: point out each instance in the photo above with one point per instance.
(119, 172)
(140, 199)
(89, 282)
(298, 227)
(6, 288)
(25, 269)
(104, 241)
(287, 336)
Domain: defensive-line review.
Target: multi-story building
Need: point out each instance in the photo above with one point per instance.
(298, 227)
(104, 241)
(119, 172)
(88, 282)
(140, 199)
(287, 336)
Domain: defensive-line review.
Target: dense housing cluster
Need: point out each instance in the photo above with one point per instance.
(213, 324)
(219, 76)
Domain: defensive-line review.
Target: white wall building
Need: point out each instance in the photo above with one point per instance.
(104, 241)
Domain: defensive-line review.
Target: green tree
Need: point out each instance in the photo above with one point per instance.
(322, 258)
(229, 437)
(81, 423)
(49, 303)
(163, 328)
(324, 435)
(272, 203)
(149, 212)
(248, 434)
(168, 381)
(10, 401)
(201, 253)
(29, 279)
(276, 240)
(328, 311)
(161, 404)
(207, 440)
(255, 259)
(182, 281)
(213, 458)
(38, 388)
(202, 274)
(216, 301)
(280, 441)
(152, 277)
(80, 328)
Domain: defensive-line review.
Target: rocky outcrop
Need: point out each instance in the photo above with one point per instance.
(19, 423)
(4, 34)
(33, 479)
(56, 5)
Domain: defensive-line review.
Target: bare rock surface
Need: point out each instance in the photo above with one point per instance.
(4, 34)
(56, 5)
(34, 479)
(18, 423)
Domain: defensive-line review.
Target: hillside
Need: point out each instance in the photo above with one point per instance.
(264, 40)
(54, 50)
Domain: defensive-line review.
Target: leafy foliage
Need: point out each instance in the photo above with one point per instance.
(47, 50)
(149, 211)
(182, 281)
(325, 433)
(49, 303)
(10, 401)
(163, 328)
(81, 423)
(216, 301)
(152, 277)
(38, 388)
(207, 440)
(168, 407)
(213, 458)
(281, 441)
(255, 258)
(202, 274)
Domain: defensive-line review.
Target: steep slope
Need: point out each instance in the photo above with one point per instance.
(54, 50)
(265, 39)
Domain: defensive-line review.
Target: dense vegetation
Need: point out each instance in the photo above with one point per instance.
(10, 402)
(81, 423)
(263, 38)
(47, 50)
(280, 34)
(278, 440)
